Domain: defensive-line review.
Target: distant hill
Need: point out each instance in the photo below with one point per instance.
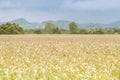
(63, 24)
(115, 24)
(94, 25)
(25, 24)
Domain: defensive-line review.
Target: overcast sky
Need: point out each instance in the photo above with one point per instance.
(82, 11)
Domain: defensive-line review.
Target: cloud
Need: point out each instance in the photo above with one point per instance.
(91, 5)
(36, 5)
(77, 10)
(6, 4)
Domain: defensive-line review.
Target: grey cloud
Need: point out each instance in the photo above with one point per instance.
(91, 5)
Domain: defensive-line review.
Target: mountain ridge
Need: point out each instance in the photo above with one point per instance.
(63, 24)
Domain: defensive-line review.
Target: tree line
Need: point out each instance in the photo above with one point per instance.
(51, 28)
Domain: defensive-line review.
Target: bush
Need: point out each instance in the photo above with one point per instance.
(11, 28)
(73, 28)
(51, 28)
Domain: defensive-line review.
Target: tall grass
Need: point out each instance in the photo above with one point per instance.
(60, 57)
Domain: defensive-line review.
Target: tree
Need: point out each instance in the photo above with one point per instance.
(73, 28)
(64, 31)
(11, 28)
(51, 28)
(37, 31)
(84, 31)
(98, 31)
(57, 31)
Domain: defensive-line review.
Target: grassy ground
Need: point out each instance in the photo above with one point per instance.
(59, 57)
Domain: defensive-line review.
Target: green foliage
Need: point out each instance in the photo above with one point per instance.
(117, 30)
(57, 31)
(29, 31)
(51, 28)
(64, 31)
(73, 28)
(98, 31)
(34, 31)
(84, 31)
(11, 28)
(37, 31)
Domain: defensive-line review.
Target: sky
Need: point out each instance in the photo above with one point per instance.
(81, 11)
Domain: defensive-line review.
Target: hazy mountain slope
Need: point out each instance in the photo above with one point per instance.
(63, 24)
(115, 24)
(25, 24)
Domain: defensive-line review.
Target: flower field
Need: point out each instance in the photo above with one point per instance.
(59, 57)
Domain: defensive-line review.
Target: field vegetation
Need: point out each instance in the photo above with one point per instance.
(51, 28)
(59, 57)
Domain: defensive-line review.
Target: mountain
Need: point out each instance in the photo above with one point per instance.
(62, 24)
(25, 24)
(93, 25)
(115, 24)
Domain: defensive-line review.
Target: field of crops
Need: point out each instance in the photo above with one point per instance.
(59, 57)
